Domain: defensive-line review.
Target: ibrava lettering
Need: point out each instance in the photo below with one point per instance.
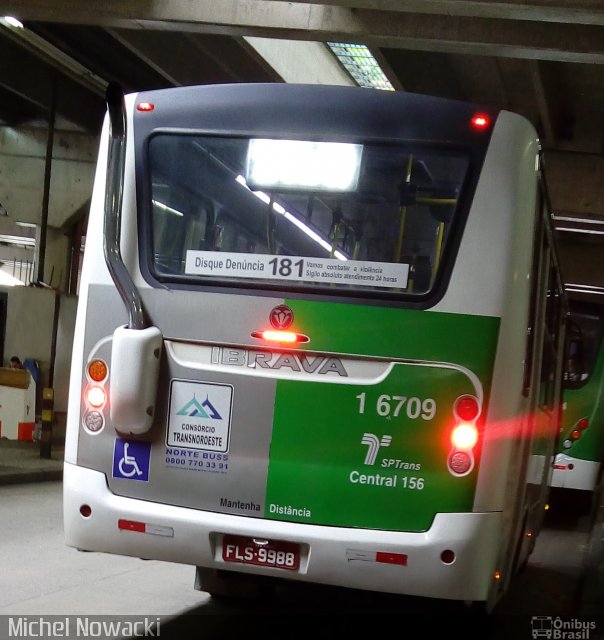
(288, 360)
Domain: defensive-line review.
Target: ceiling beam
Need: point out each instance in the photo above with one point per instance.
(191, 58)
(145, 50)
(31, 81)
(575, 12)
(304, 62)
(54, 57)
(301, 21)
(587, 12)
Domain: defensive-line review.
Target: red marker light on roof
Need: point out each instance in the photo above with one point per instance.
(145, 106)
(480, 121)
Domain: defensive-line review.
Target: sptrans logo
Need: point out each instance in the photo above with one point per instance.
(374, 443)
(557, 629)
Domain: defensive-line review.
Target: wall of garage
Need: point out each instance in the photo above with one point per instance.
(23, 158)
(29, 334)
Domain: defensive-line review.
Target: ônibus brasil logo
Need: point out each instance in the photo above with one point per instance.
(374, 443)
(552, 628)
(193, 409)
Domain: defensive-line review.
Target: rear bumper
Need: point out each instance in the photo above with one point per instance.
(329, 555)
(573, 473)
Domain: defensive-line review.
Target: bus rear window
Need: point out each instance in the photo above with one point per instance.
(331, 217)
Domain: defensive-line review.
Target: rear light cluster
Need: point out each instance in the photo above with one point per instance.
(464, 435)
(578, 428)
(95, 396)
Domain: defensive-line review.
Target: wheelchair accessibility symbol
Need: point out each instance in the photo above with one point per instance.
(131, 460)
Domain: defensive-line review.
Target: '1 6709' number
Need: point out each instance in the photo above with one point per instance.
(394, 406)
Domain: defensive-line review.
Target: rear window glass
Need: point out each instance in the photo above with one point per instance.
(302, 214)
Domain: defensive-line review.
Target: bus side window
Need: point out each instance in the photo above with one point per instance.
(538, 251)
(551, 329)
(574, 361)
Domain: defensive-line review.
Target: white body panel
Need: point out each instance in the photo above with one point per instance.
(577, 474)
(196, 540)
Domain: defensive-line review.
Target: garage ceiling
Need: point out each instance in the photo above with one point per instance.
(541, 58)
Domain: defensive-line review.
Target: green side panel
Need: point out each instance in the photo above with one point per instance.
(586, 402)
(466, 340)
(320, 468)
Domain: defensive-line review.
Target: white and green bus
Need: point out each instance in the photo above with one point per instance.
(323, 344)
(578, 463)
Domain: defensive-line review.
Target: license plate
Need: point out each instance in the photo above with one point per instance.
(264, 553)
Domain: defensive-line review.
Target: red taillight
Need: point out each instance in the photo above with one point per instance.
(466, 408)
(575, 434)
(145, 106)
(96, 396)
(464, 436)
(480, 121)
(583, 423)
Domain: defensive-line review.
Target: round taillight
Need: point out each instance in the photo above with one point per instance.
(466, 408)
(583, 423)
(94, 421)
(460, 462)
(96, 396)
(97, 370)
(86, 511)
(575, 434)
(464, 436)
